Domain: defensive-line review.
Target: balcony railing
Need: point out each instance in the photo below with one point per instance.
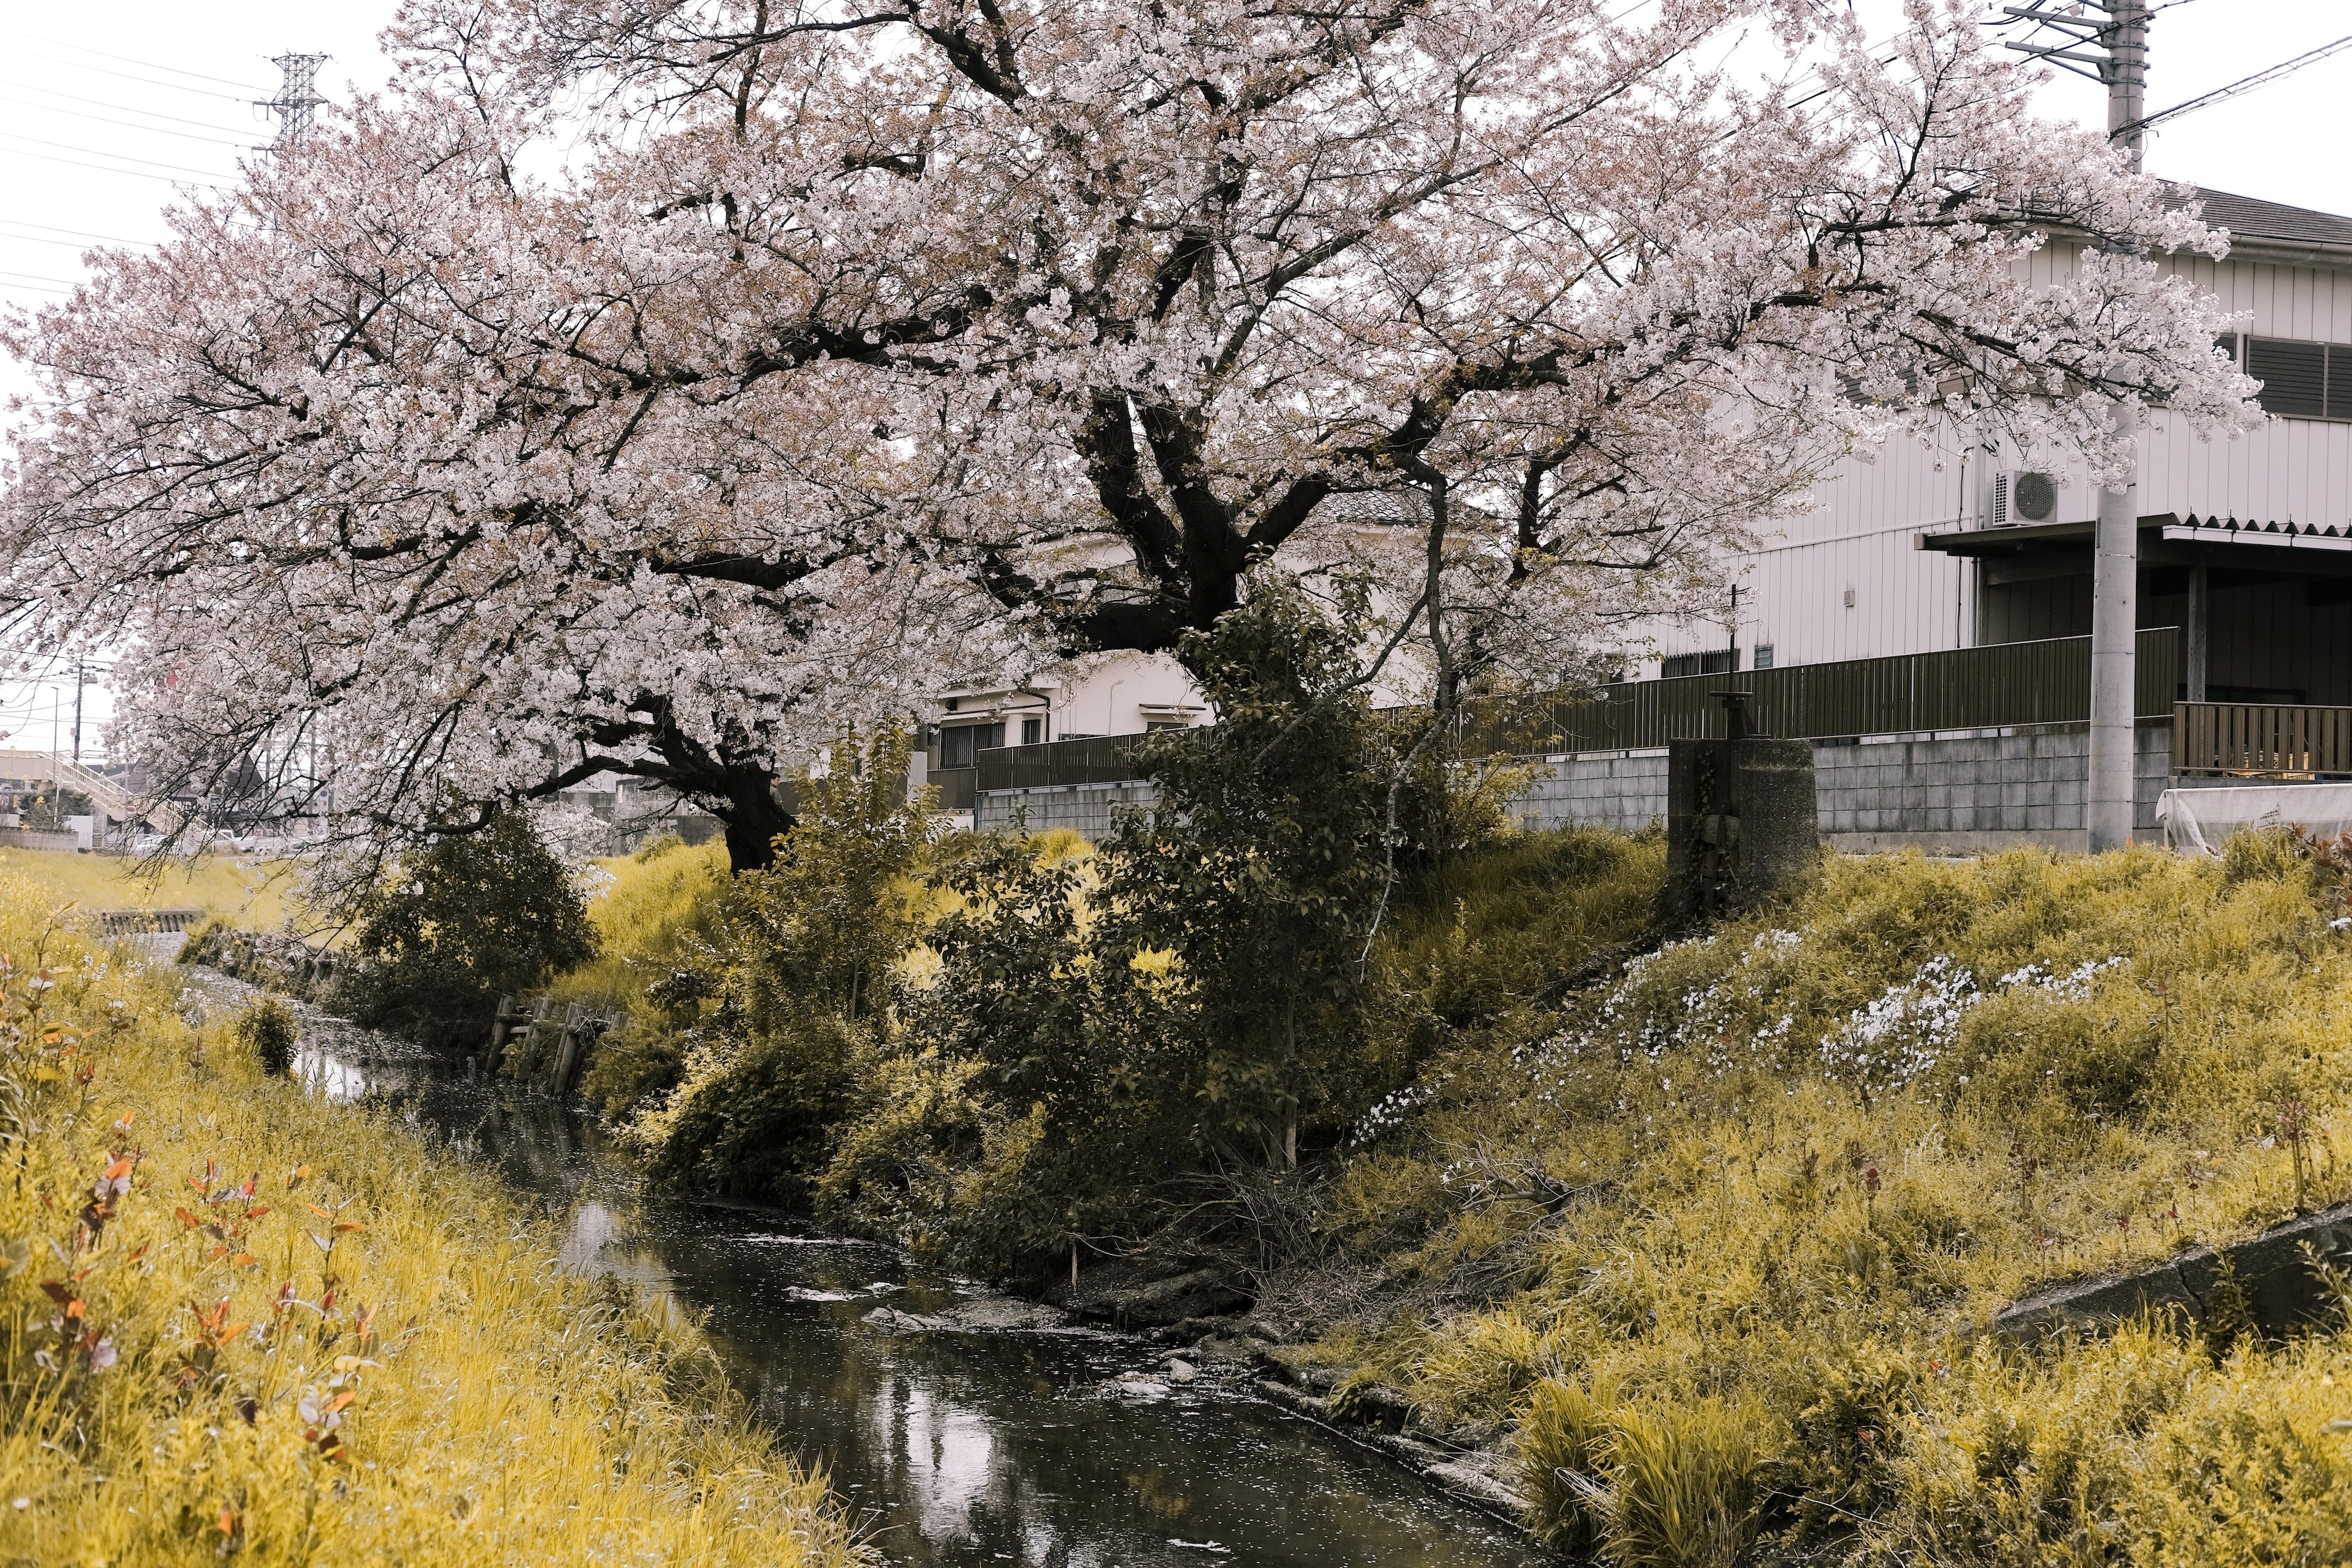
(2262, 740)
(1092, 758)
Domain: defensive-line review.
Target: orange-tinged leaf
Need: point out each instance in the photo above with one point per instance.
(139, 1254)
(191, 1221)
(322, 1213)
(243, 1261)
(234, 1330)
(348, 1224)
(296, 1179)
(257, 1212)
(340, 1400)
(119, 1168)
(81, 1274)
(226, 1523)
(76, 1309)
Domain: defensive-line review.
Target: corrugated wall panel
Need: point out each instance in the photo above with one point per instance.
(1859, 531)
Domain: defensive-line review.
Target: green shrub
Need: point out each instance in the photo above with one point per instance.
(267, 1029)
(470, 917)
(764, 1032)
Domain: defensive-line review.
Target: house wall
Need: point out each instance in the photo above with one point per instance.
(1116, 694)
(1859, 531)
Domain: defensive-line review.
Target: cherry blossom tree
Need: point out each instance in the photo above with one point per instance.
(854, 345)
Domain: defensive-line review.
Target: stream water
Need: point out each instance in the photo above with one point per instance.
(954, 1446)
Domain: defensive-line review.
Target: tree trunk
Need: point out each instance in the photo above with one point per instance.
(754, 818)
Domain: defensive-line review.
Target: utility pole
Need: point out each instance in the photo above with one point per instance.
(81, 673)
(2106, 40)
(297, 98)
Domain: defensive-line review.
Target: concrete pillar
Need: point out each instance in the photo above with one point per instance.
(2114, 611)
(1741, 821)
(2198, 632)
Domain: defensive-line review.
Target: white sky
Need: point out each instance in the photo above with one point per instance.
(106, 112)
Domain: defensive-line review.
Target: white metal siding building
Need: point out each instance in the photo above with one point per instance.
(1871, 568)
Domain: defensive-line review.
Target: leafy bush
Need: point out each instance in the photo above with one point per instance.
(267, 1029)
(778, 1017)
(471, 918)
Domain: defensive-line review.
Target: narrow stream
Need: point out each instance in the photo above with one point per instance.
(966, 1446)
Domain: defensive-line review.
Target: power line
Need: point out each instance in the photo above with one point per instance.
(38, 278)
(130, 124)
(102, 153)
(75, 233)
(147, 80)
(128, 59)
(110, 169)
(36, 239)
(2245, 84)
(123, 108)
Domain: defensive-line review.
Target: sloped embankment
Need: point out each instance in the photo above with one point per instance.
(243, 1321)
(1702, 1260)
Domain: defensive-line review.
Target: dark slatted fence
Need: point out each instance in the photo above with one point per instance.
(1092, 758)
(2046, 682)
(2262, 740)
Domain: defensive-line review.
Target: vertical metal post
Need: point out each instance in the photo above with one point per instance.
(2199, 629)
(2115, 572)
(80, 671)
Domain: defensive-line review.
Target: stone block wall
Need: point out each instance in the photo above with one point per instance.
(1624, 790)
(1947, 793)
(1975, 791)
(1085, 809)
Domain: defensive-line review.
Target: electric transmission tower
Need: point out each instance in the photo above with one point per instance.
(298, 96)
(2106, 40)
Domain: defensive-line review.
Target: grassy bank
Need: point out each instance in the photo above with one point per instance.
(255, 895)
(237, 1320)
(1694, 1245)
(1703, 1246)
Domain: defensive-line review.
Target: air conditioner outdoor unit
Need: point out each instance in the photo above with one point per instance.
(2023, 495)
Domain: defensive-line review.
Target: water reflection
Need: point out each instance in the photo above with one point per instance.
(959, 1447)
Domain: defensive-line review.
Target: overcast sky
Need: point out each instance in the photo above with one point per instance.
(106, 112)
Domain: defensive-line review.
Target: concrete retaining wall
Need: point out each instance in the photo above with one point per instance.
(1950, 793)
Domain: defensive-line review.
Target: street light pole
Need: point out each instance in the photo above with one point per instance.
(2122, 67)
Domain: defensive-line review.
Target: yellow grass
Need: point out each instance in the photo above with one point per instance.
(1765, 1183)
(253, 894)
(172, 1360)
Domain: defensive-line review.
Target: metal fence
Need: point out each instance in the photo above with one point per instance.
(1093, 759)
(2046, 682)
(1999, 685)
(2262, 740)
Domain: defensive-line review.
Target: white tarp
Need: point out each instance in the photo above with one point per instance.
(2203, 819)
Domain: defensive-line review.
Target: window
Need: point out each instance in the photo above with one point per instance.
(959, 742)
(2301, 380)
(1033, 731)
(1763, 656)
(1722, 661)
